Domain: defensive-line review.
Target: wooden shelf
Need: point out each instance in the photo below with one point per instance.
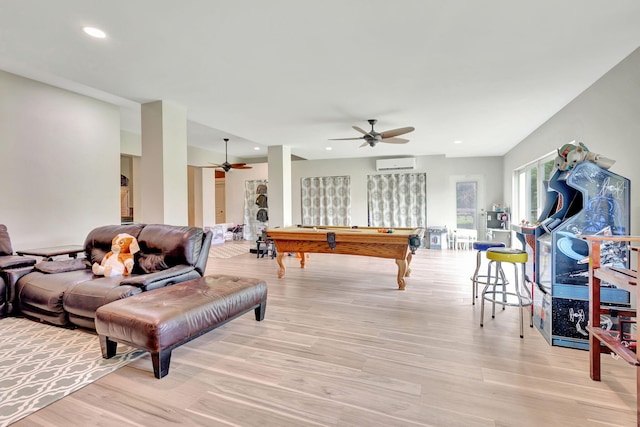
(617, 276)
(601, 341)
(614, 345)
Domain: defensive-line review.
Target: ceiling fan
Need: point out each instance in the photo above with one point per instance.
(372, 137)
(226, 165)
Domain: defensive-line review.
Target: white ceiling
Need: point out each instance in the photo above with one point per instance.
(299, 72)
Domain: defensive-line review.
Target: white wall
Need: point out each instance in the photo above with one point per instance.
(234, 190)
(442, 174)
(605, 117)
(197, 156)
(279, 189)
(163, 177)
(130, 143)
(60, 170)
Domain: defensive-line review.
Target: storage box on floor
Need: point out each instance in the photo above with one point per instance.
(219, 233)
(437, 237)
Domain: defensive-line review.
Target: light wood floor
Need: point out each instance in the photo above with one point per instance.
(341, 346)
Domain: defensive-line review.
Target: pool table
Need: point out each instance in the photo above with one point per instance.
(400, 244)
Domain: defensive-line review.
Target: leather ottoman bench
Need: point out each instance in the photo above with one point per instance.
(162, 319)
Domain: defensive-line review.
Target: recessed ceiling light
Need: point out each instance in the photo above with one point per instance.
(457, 142)
(328, 148)
(256, 148)
(94, 32)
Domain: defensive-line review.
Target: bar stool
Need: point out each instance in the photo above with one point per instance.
(521, 292)
(476, 279)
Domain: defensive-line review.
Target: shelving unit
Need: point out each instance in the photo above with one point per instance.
(600, 340)
(254, 224)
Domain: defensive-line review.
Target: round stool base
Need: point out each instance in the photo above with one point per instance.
(520, 296)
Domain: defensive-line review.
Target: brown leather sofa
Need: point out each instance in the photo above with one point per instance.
(67, 293)
(9, 265)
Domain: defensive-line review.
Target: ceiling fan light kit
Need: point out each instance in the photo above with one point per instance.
(226, 166)
(372, 137)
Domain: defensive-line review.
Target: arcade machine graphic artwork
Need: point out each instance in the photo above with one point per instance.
(585, 199)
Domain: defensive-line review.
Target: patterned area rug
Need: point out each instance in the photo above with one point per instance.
(231, 248)
(40, 364)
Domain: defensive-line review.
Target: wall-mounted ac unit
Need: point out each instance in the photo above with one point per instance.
(406, 163)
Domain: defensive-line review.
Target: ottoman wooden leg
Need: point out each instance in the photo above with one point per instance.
(161, 363)
(108, 347)
(260, 311)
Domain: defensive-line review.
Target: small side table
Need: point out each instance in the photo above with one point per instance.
(48, 253)
(268, 246)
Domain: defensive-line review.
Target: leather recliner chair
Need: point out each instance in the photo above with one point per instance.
(12, 267)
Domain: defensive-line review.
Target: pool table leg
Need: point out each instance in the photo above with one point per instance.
(281, 269)
(402, 269)
(303, 259)
(409, 258)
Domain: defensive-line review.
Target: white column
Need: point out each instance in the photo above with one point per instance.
(279, 158)
(201, 197)
(208, 196)
(164, 188)
(194, 178)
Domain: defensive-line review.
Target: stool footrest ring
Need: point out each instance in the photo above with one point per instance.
(525, 300)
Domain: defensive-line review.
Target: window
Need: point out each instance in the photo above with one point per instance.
(531, 188)
(466, 205)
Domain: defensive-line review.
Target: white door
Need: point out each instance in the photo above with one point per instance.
(221, 216)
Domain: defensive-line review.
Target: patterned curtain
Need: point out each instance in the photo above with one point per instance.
(397, 200)
(326, 200)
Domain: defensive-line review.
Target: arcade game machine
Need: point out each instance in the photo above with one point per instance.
(586, 200)
(557, 202)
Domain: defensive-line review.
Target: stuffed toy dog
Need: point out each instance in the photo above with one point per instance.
(118, 262)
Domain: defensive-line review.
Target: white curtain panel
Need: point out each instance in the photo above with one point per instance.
(397, 200)
(326, 200)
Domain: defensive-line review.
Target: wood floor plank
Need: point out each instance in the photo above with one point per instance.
(341, 346)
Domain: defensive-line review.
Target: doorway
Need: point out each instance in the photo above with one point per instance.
(221, 216)
(126, 189)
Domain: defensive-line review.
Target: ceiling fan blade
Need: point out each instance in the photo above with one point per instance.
(396, 132)
(360, 130)
(344, 139)
(239, 166)
(395, 140)
(364, 144)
